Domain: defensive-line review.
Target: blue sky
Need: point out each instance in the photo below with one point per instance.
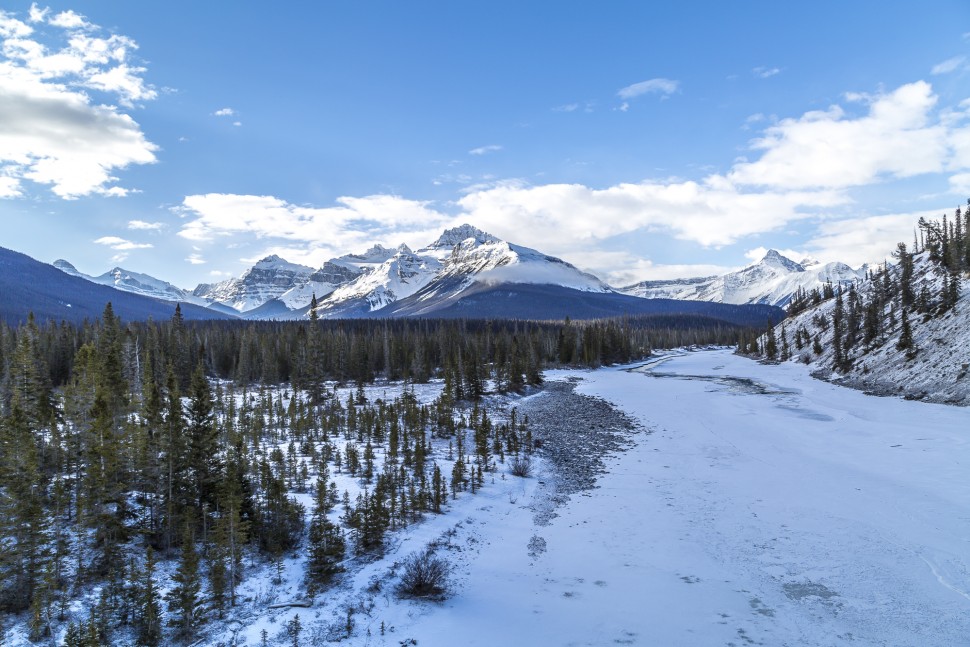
(635, 140)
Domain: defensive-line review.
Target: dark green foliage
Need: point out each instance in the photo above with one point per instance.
(184, 600)
(326, 543)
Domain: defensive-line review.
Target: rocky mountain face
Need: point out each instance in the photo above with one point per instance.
(268, 279)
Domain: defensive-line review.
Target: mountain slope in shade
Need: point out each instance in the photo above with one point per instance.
(537, 301)
(135, 282)
(773, 280)
(28, 285)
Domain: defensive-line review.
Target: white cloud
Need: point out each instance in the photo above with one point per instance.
(70, 20)
(482, 150)
(146, 226)
(237, 123)
(311, 234)
(651, 86)
(569, 107)
(52, 131)
(119, 258)
(9, 187)
(828, 149)
(569, 216)
(865, 240)
(196, 259)
(949, 65)
(622, 268)
(37, 14)
(796, 174)
(10, 27)
(224, 112)
(766, 72)
(116, 243)
(960, 184)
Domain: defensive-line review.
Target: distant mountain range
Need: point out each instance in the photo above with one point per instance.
(773, 280)
(469, 273)
(27, 285)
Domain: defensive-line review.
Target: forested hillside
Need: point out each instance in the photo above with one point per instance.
(900, 331)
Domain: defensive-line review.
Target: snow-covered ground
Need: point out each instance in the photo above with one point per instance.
(750, 505)
(765, 507)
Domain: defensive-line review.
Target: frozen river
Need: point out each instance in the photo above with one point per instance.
(758, 506)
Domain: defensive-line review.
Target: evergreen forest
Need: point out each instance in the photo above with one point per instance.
(142, 458)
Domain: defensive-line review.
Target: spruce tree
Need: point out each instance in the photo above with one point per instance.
(183, 598)
(148, 620)
(326, 543)
(905, 342)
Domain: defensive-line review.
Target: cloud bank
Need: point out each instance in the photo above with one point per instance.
(64, 87)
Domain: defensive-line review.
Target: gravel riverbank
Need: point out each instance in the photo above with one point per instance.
(575, 433)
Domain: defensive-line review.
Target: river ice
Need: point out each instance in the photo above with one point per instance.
(755, 505)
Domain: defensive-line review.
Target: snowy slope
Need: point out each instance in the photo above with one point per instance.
(268, 279)
(134, 282)
(788, 513)
(939, 372)
(784, 511)
(399, 276)
(459, 258)
(772, 280)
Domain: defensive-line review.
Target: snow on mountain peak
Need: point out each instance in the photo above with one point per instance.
(274, 262)
(456, 235)
(774, 259)
(65, 266)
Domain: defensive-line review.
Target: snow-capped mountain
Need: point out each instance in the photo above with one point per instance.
(335, 273)
(134, 282)
(773, 280)
(450, 265)
(268, 279)
(465, 272)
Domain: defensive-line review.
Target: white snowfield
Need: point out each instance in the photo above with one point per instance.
(764, 507)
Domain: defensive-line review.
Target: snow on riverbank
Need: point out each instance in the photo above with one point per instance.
(765, 507)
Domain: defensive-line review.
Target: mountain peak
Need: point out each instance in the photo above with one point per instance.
(451, 237)
(65, 266)
(274, 262)
(774, 259)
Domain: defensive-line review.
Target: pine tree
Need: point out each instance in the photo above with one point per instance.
(905, 342)
(771, 344)
(203, 433)
(148, 621)
(183, 598)
(326, 543)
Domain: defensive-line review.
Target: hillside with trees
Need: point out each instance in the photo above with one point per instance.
(900, 331)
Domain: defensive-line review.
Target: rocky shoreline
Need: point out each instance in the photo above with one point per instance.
(574, 433)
